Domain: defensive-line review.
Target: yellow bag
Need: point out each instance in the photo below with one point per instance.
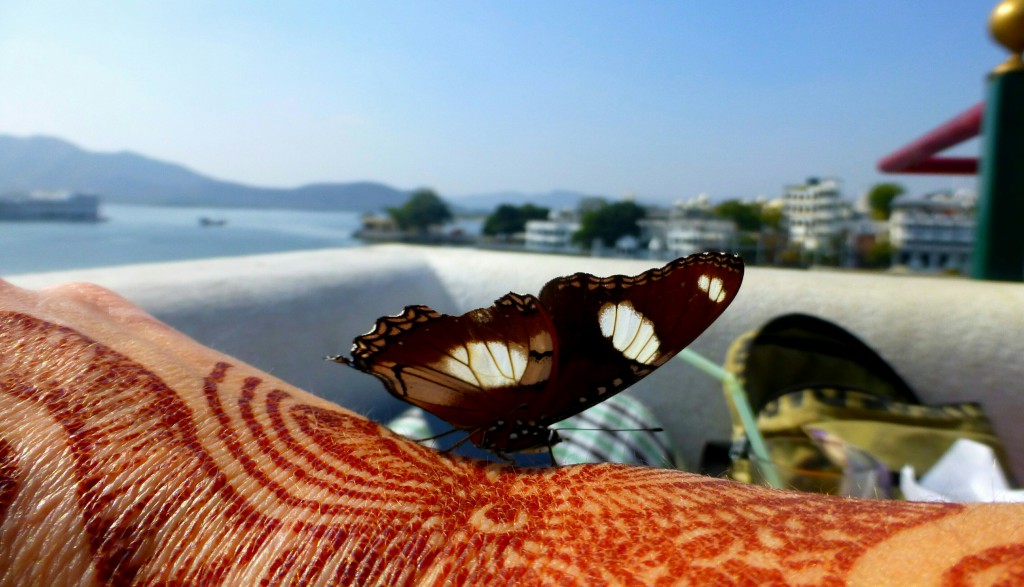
(801, 372)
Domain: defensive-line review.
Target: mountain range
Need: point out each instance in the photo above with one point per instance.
(48, 163)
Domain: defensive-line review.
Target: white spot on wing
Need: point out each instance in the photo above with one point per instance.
(460, 354)
(489, 364)
(509, 361)
(541, 342)
(714, 287)
(631, 333)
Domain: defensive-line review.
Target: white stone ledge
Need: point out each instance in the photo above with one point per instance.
(952, 339)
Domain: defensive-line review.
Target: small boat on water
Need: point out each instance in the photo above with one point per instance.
(207, 221)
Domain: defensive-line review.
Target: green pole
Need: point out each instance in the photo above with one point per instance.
(999, 233)
(737, 396)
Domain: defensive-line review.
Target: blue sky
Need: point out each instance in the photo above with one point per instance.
(664, 100)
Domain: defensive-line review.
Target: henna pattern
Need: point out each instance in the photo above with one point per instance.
(8, 477)
(243, 478)
(1003, 562)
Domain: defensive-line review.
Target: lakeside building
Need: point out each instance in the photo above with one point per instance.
(553, 235)
(814, 214)
(933, 232)
(688, 227)
(55, 206)
(382, 228)
(378, 228)
(686, 237)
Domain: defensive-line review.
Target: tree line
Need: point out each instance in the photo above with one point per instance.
(605, 223)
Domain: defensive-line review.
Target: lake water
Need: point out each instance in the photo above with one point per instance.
(142, 234)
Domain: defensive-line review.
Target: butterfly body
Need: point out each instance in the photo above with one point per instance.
(506, 373)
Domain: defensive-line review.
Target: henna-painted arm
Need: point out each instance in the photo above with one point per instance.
(130, 454)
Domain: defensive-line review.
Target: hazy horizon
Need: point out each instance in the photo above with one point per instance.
(664, 101)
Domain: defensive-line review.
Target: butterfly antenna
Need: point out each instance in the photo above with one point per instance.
(614, 429)
(441, 435)
(461, 442)
(470, 434)
(339, 359)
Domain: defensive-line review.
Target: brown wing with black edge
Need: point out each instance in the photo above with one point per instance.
(470, 370)
(613, 331)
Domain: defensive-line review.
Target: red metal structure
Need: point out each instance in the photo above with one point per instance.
(917, 157)
(998, 239)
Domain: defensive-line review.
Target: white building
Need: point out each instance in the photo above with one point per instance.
(686, 237)
(553, 235)
(933, 232)
(814, 214)
(686, 229)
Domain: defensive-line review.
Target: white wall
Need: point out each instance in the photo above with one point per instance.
(952, 339)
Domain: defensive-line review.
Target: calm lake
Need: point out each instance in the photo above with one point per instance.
(143, 234)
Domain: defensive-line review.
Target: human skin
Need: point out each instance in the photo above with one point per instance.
(130, 454)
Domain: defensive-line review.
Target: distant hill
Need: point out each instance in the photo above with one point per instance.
(46, 163)
(556, 200)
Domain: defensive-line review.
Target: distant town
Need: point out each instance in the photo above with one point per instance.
(809, 224)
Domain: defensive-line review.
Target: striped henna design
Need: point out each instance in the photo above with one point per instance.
(1006, 563)
(8, 477)
(246, 483)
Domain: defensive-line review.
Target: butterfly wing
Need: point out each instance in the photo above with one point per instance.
(470, 370)
(613, 331)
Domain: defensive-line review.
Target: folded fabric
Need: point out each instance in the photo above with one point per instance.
(919, 445)
(967, 472)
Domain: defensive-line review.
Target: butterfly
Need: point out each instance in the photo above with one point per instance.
(506, 373)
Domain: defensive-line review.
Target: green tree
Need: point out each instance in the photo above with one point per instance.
(746, 215)
(879, 255)
(880, 199)
(509, 219)
(423, 209)
(771, 217)
(609, 223)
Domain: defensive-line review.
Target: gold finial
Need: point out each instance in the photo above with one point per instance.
(1007, 27)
